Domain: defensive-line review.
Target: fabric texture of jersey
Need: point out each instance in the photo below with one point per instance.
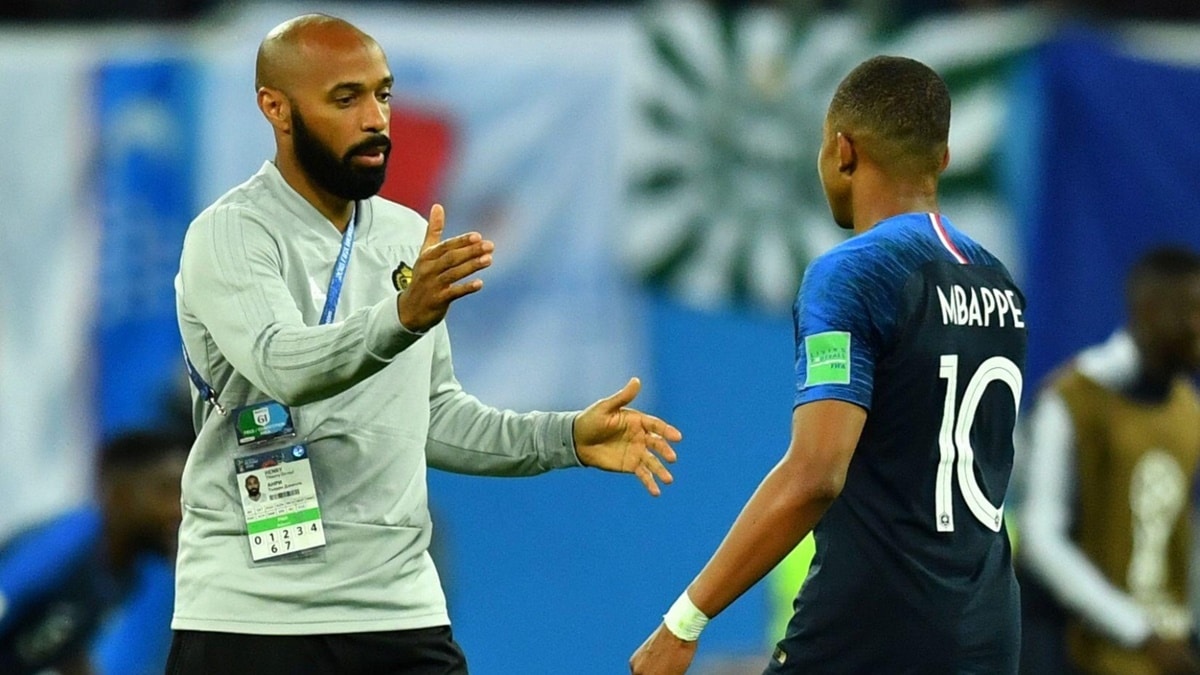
(375, 403)
(913, 570)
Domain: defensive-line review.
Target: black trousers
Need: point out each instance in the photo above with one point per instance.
(426, 651)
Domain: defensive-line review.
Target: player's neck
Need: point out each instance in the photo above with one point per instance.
(878, 197)
(1156, 374)
(1152, 384)
(335, 209)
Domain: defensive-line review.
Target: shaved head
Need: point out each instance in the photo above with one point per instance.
(292, 46)
(325, 87)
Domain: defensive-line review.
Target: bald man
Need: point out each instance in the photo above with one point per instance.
(312, 318)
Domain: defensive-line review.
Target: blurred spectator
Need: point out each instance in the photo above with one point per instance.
(1112, 455)
(91, 590)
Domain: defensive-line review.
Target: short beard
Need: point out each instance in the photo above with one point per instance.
(338, 176)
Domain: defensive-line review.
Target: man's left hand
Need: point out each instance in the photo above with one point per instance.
(612, 437)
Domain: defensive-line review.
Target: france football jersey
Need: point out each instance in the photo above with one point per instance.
(52, 585)
(923, 328)
(58, 601)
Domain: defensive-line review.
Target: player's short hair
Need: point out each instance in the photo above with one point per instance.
(137, 448)
(899, 107)
(1162, 264)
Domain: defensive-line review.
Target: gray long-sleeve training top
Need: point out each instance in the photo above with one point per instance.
(375, 403)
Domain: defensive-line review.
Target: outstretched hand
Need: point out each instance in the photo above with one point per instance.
(438, 272)
(612, 437)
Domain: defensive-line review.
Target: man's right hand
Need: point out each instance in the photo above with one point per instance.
(1173, 657)
(438, 272)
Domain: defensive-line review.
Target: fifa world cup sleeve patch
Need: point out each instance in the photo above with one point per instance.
(828, 358)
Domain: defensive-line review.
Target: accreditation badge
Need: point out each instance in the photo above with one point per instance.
(274, 478)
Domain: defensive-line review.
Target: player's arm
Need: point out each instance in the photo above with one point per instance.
(785, 507)
(232, 278)
(787, 504)
(467, 436)
(470, 437)
(1047, 548)
(836, 342)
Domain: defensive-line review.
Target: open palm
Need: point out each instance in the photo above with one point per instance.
(613, 437)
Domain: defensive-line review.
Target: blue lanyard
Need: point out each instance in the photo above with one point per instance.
(206, 392)
(339, 270)
(331, 302)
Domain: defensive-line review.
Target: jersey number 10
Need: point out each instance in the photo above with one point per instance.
(954, 440)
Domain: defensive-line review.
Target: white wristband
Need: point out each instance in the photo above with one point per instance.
(684, 620)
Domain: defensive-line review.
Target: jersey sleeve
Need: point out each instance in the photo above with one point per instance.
(836, 344)
(34, 566)
(232, 279)
(470, 437)
(136, 637)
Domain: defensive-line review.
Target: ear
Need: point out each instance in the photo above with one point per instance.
(945, 160)
(847, 154)
(276, 108)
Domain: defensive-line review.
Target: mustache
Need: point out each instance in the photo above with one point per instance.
(373, 143)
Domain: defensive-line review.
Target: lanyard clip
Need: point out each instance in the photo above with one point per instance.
(206, 392)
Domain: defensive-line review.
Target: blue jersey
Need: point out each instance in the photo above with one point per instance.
(59, 601)
(923, 328)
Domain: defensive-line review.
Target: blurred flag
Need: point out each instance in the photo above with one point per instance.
(47, 277)
(424, 144)
(1114, 172)
(731, 102)
(528, 147)
(146, 184)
